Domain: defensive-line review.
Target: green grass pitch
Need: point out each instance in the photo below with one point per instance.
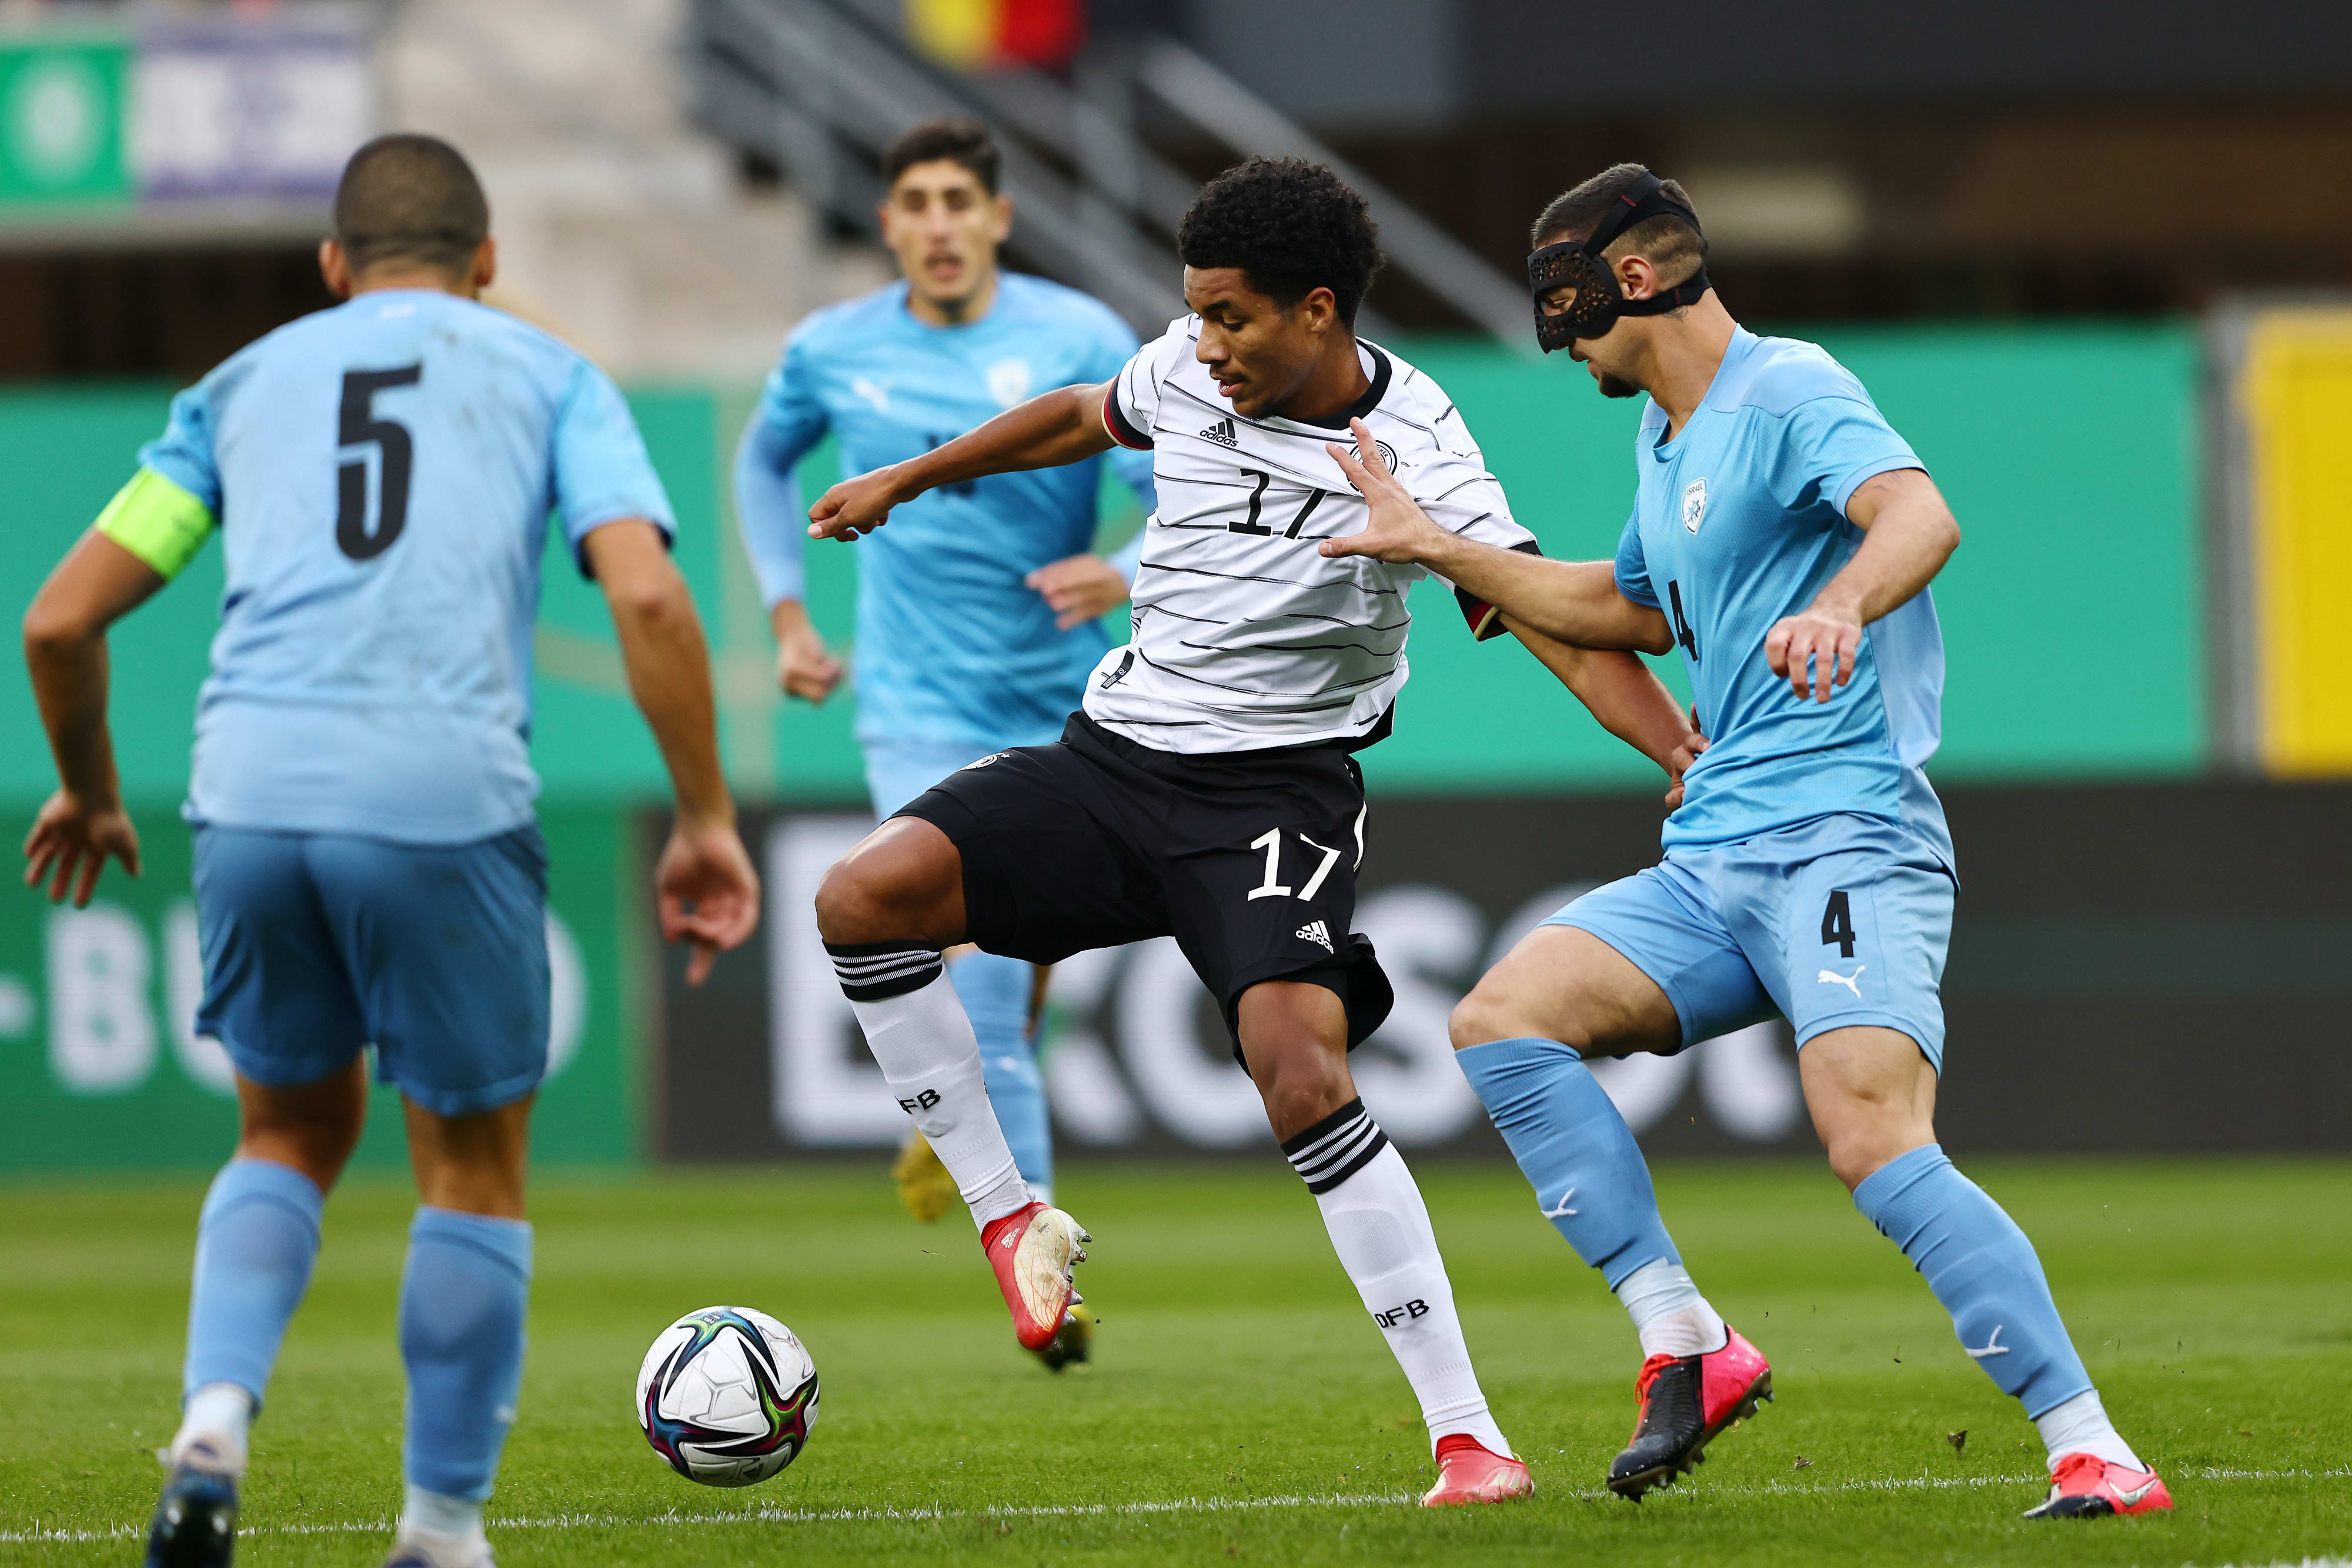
(1242, 1408)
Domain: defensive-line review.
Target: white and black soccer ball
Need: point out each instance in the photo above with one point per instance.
(727, 1395)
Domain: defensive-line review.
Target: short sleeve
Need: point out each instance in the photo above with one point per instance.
(1462, 497)
(184, 453)
(1132, 405)
(1828, 447)
(601, 472)
(1633, 567)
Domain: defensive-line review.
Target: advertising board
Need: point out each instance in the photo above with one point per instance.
(2134, 967)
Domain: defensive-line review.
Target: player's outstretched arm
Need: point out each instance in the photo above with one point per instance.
(707, 893)
(1908, 533)
(81, 824)
(1048, 430)
(1575, 602)
(1626, 696)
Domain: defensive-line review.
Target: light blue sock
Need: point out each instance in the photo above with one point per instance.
(461, 1333)
(255, 1242)
(995, 995)
(1982, 1268)
(1575, 1151)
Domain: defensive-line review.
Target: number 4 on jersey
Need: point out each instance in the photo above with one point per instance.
(1683, 633)
(1837, 923)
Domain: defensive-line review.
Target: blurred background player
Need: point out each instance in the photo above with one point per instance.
(368, 867)
(1782, 538)
(977, 614)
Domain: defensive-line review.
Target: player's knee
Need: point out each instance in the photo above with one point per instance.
(1302, 1082)
(312, 1128)
(902, 884)
(850, 907)
(1295, 1040)
(866, 898)
(1856, 1152)
(1492, 1011)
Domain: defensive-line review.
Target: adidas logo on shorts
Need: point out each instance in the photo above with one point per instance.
(1221, 433)
(1315, 931)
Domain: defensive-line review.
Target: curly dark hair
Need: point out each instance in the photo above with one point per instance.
(1291, 225)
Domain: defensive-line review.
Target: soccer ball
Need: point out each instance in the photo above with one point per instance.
(727, 1395)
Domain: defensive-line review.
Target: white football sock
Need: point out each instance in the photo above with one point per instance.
(2080, 1426)
(1380, 1229)
(221, 1415)
(922, 1041)
(1669, 1313)
(448, 1529)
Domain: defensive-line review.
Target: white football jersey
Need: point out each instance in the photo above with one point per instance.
(1245, 636)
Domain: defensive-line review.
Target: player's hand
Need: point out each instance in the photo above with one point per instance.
(856, 506)
(706, 891)
(1679, 763)
(1397, 530)
(1078, 589)
(1815, 651)
(805, 668)
(69, 842)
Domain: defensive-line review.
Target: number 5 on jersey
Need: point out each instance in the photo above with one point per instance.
(1271, 842)
(358, 426)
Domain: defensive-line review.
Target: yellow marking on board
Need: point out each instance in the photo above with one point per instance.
(954, 31)
(2296, 397)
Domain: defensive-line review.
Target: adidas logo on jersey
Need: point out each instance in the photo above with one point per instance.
(1315, 931)
(1221, 433)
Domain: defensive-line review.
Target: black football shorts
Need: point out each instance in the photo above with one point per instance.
(1248, 858)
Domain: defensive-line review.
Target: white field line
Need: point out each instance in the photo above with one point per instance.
(768, 1515)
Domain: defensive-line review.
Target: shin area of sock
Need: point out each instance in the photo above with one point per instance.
(462, 1299)
(1575, 1149)
(923, 1041)
(1379, 1228)
(1982, 1269)
(995, 995)
(256, 1243)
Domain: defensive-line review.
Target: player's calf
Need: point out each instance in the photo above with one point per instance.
(885, 910)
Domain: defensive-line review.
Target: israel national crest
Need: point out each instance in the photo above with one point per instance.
(1694, 504)
(1008, 381)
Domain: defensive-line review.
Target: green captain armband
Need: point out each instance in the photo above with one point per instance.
(157, 521)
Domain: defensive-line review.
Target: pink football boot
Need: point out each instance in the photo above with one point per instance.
(2085, 1486)
(1032, 1250)
(1687, 1403)
(1468, 1472)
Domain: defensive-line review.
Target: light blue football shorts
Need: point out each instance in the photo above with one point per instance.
(1840, 921)
(316, 945)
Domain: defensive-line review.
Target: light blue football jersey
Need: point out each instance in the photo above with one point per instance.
(1740, 521)
(952, 646)
(383, 474)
